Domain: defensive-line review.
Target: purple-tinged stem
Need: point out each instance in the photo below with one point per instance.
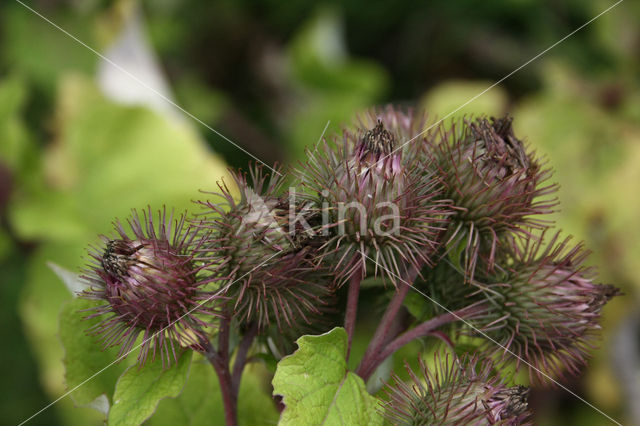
(381, 335)
(223, 339)
(367, 368)
(229, 397)
(241, 356)
(352, 307)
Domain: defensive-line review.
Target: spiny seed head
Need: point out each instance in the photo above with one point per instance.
(496, 185)
(149, 281)
(455, 391)
(373, 203)
(261, 257)
(544, 307)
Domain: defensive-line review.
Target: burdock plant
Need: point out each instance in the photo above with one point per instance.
(497, 186)
(147, 280)
(455, 391)
(457, 213)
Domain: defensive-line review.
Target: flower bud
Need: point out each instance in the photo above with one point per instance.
(455, 392)
(544, 307)
(263, 263)
(374, 203)
(149, 281)
(495, 185)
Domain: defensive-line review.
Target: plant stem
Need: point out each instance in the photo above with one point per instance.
(368, 366)
(229, 397)
(230, 379)
(381, 335)
(352, 307)
(241, 356)
(223, 339)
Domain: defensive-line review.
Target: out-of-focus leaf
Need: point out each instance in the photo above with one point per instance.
(40, 304)
(109, 159)
(72, 281)
(42, 299)
(14, 141)
(582, 144)
(317, 388)
(139, 390)
(144, 83)
(457, 96)
(332, 86)
(40, 51)
(84, 356)
(200, 99)
(5, 244)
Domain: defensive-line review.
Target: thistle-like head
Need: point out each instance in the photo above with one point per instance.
(496, 186)
(150, 283)
(381, 215)
(261, 252)
(544, 307)
(454, 391)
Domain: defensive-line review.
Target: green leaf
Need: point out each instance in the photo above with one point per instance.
(317, 388)
(84, 356)
(72, 281)
(201, 402)
(139, 390)
(109, 159)
(41, 52)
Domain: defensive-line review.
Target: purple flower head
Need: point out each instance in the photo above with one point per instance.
(374, 200)
(263, 265)
(150, 282)
(544, 307)
(455, 391)
(495, 184)
(375, 153)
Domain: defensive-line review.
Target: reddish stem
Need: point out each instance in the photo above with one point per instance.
(241, 356)
(229, 397)
(223, 339)
(367, 367)
(352, 307)
(381, 335)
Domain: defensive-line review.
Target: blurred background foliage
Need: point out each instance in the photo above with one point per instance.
(82, 142)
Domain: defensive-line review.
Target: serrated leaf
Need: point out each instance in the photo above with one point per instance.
(84, 356)
(318, 389)
(139, 390)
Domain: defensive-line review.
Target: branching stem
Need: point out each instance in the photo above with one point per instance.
(370, 363)
(352, 307)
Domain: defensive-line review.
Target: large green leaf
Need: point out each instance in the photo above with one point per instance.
(317, 388)
(86, 364)
(108, 160)
(200, 404)
(139, 390)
